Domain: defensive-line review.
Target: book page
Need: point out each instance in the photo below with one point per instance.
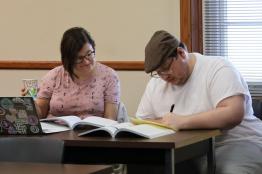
(98, 121)
(100, 131)
(123, 125)
(69, 120)
(52, 127)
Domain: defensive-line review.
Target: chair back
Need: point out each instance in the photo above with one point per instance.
(31, 149)
(257, 107)
(122, 115)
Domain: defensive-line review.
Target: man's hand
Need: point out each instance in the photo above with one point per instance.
(173, 120)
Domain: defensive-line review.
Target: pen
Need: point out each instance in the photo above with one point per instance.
(172, 108)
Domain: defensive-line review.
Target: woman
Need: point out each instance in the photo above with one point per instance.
(81, 86)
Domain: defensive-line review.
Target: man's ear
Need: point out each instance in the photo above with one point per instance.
(181, 52)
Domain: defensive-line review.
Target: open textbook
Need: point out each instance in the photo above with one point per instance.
(53, 127)
(98, 126)
(73, 121)
(128, 130)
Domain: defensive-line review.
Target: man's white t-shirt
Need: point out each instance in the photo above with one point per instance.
(212, 80)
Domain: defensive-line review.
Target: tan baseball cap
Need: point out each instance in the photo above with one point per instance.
(161, 45)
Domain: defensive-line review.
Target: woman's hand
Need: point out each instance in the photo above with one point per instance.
(24, 91)
(83, 116)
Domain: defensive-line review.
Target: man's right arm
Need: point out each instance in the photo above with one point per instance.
(228, 114)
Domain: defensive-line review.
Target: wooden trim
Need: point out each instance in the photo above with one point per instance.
(117, 65)
(191, 24)
(185, 23)
(191, 35)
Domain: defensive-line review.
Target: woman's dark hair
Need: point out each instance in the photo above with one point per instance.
(72, 41)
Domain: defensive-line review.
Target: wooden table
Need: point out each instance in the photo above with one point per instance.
(41, 168)
(159, 153)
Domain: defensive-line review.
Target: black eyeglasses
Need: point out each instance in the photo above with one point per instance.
(163, 71)
(89, 56)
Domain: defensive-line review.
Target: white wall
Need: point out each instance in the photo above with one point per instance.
(32, 29)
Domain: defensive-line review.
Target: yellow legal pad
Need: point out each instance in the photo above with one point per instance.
(141, 121)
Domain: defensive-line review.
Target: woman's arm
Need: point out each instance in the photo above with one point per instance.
(111, 110)
(42, 107)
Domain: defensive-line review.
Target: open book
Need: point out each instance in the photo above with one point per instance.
(48, 127)
(97, 126)
(129, 130)
(71, 122)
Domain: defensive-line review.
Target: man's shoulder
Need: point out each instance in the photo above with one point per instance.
(214, 59)
(214, 62)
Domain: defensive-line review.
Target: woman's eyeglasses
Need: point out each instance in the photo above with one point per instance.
(89, 56)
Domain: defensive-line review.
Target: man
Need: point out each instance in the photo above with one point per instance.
(208, 93)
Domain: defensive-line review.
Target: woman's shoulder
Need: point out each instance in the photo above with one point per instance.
(55, 72)
(104, 69)
(58, 69)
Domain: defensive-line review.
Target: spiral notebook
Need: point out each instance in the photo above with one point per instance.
(18, 116)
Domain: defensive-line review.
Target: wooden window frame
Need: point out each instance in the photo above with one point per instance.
(191, 24)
